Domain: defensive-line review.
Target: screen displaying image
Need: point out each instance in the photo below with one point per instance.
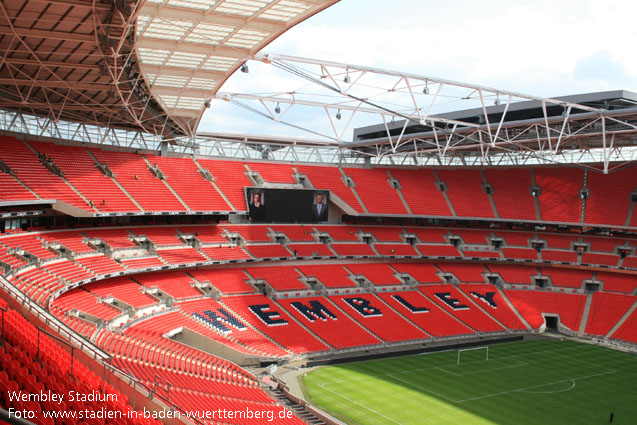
(287, 205)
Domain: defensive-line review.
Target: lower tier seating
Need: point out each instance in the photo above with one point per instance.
(423, 312)
(380, 319)
(454, 302)
(54, 370)
(605, 311)
(532, 304)
(262, 313)
(328, 322)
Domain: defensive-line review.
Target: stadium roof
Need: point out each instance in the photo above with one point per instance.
(147, 65)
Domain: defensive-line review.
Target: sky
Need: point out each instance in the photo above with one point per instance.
(542, 48)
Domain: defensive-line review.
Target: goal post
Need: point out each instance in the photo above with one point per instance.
(464, 350)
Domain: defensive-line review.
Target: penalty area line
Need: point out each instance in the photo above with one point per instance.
(358, 404)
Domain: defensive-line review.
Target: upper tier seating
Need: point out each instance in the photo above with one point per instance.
(610, 189)
(183, 176)
(80, 170)
(132, 172)
(558, 241)
(559, 198)
(558, 201)
(332, 179)
(12, 190)
(511, 193)
(374, 189)
(630, 261)
(26, 166)
(464, 188)
(274, 173)
(419, 190)
(230, 178)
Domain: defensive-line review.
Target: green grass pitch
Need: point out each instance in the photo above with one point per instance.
(540, 382)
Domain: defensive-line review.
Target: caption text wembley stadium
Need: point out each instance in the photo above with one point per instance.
(104, 413)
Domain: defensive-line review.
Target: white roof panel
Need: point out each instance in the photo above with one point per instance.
(241, 7)
(212, 34)
(191, 47)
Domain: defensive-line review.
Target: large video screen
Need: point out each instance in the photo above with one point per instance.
(287, 205)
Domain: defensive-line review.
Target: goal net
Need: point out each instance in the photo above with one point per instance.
(475, 354)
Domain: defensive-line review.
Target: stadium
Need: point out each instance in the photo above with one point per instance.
(433, 252)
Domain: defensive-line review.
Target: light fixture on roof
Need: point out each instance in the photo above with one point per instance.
(277, 109)
(496, 102)
(244, 68)
(338, 114)
(346, 80)
(207, 103)
(426, 89)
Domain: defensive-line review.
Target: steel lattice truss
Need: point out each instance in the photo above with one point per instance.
(409, 107)
(143, 65)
